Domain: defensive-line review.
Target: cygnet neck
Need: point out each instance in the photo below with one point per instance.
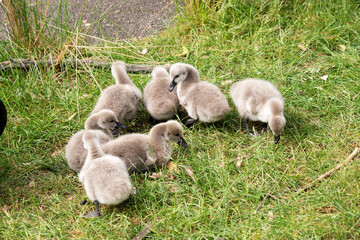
(121, 77)
(192, 76)
(94, 149)
(276, 106)
(157, 136)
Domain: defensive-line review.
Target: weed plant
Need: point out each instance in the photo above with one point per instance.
(309, 49)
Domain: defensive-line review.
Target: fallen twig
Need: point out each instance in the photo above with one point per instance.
(143, 233)
(190, 173)
(329, 173)
(262, 202)
(26, 64)
(268, 195)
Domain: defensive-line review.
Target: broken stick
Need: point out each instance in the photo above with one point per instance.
(143, 233)
(26, 64)
(329, 173)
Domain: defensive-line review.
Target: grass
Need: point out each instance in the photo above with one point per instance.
(294, 44)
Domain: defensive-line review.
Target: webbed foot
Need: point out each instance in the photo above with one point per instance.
(92, 214)
(153, 121)
(190, 122)
(96, 213)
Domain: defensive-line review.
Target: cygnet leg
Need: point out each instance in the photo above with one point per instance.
(250, 133)
(96, 213)
(190, 122)
(263, 128)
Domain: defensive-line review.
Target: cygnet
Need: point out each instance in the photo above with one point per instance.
(145, 152)
(103, 121)
(123, 98)
(159, 102)
(105, 177)
(259, 100)
(202, 100)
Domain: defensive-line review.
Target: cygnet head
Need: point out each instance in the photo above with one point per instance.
(178, 73)
(107, 119)
(276, 125)
(174, 132)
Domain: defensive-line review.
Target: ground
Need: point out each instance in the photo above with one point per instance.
(113, 20)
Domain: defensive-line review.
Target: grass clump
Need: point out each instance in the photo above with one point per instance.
(308, 49)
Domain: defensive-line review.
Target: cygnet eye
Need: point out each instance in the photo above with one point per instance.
(112, 121)
(177, 134)
(176, 76)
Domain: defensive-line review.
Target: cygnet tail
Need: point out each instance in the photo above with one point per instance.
(158, 72)
(122, 189)
(118, 70)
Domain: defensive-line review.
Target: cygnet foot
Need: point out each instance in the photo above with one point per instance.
(92, 214)
(263, 128)
(83, 202)
(153, 121)
(253, 134)
(190, 122)
(117, 132)
(95, 213)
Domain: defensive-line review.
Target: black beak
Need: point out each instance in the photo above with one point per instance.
(172, 86)
(120, 125)
(183, 143)
(276, 139)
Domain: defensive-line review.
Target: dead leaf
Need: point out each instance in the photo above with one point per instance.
(32, 183)
(226, 82)
(71, 117)
(174, 188)
(133, 190)
(325, 77)
(144, 51)
(185, 52)
(190, 173)
(342, 47)
(271, 215)
(239, 163)
(155, 175)
(302, 47)
(173, 167)
(56, 153)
